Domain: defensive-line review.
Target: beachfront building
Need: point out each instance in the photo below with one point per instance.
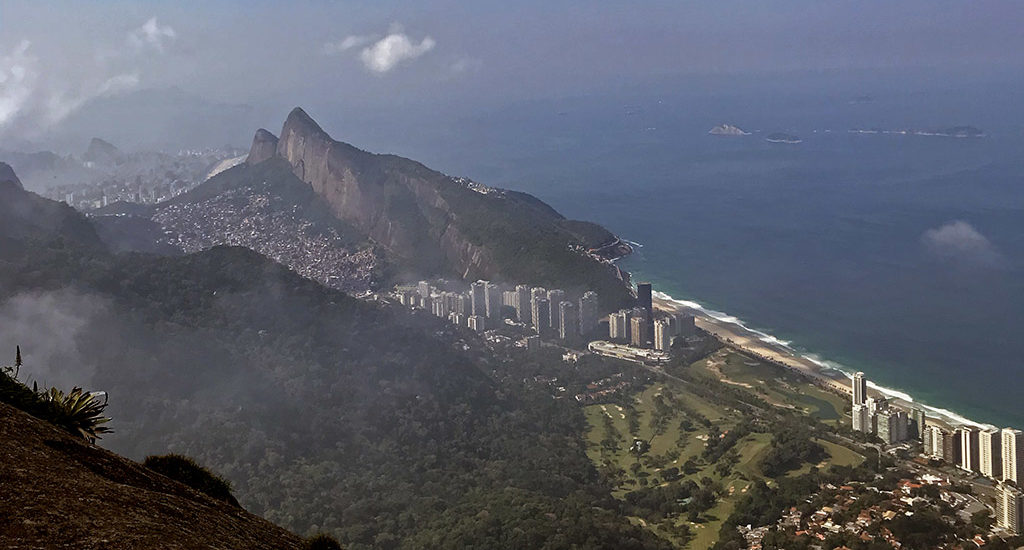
(990, 453)
(588, 312)
(1010, 508)
(969, 455)
(1013, 455)
(686, 325)
(917, 423)
(645, 299)
(860, 389)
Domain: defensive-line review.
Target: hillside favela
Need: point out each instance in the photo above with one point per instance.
(431, 275)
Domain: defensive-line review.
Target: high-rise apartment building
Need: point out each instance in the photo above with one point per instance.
(1013, 455)
(638, 331)
(969, 454)
(523, 309)
(555, 298)
(860, 388)
(990, 453)
(645, 299)
(618, 326)
(1009, 508)
(663, 334)
(568, 320)
(588, 312)
(492, 300)
(541, 313)
(478, 298)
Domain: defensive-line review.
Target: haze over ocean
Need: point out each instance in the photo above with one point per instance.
(898, 255)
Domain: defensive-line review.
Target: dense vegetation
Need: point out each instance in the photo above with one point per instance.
(325, 413)
(189, 472)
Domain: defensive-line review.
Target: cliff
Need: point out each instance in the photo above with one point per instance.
(60, 491)
(435, 224)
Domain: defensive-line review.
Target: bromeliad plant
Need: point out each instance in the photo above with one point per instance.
(77, 411)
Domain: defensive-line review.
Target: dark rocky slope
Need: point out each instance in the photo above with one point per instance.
(61, 492)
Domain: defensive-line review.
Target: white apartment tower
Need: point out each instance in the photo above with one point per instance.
(1013, 455)
(990, 450)
(1009, 505)
(860, 389)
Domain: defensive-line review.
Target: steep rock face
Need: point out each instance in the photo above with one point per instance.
(434, 224)
(264, 146)
(394, 201)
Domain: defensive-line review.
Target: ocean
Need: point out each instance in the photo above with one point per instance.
(898, 255)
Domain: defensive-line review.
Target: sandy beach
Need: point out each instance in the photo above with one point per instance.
(759, 345)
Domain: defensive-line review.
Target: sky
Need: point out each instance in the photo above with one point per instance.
(56, 57)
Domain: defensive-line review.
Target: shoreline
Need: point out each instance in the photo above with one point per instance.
(733, 332)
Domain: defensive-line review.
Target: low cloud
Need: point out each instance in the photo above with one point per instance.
(48, 326)
(152, 35)
(382, 54)
(959, 242)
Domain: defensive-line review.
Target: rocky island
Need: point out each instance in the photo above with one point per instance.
(728, 130)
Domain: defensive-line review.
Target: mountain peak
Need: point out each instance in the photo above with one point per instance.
(7, 175)
(300, 121)
(264, 146)
(101, 151)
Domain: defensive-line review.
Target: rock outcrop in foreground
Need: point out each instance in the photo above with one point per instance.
(61, 492)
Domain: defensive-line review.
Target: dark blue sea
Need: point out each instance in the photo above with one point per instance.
(898, 255)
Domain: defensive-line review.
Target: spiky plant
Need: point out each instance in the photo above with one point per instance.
(77, 411)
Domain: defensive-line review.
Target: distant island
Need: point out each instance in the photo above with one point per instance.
(779, 137)
(727, 130)
(953, 131)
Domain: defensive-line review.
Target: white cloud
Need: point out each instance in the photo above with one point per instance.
(151, 35)
(347, 43)
(18, 77)
(393, 49)
(958, 241)
(33, 99)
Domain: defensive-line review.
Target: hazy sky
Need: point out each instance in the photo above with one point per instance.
(56, 56)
